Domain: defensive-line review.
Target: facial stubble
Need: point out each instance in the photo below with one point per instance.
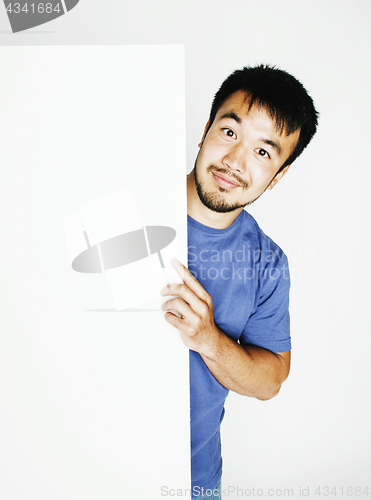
(215, 201)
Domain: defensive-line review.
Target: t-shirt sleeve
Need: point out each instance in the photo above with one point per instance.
(269, 323)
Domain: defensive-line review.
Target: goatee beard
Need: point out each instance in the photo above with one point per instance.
(214, 201)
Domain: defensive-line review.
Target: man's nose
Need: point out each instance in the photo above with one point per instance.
(236, 159)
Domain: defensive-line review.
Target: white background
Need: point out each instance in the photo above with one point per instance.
(90, 397)
(316, 432)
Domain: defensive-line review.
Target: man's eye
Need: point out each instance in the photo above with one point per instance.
(262, 152)
(229, 132)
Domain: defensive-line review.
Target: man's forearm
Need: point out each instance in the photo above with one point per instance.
(249, 370)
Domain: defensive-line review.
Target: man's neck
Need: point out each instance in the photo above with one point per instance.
(197, 210)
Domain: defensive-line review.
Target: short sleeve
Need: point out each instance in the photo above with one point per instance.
(269, 323)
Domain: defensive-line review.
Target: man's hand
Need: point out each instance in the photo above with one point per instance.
(249, 370)
(195, 308)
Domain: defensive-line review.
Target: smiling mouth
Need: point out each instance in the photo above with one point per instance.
(225, 181)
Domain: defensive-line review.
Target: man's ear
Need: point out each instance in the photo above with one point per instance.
(278, 177)
(205, 131)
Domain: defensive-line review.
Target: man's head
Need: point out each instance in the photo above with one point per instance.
(260, 121)
(280, 94)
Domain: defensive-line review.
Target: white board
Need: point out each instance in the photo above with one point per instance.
(94, 401)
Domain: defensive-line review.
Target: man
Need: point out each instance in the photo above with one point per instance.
(232, 311)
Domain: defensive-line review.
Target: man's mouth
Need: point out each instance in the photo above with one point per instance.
(225, 182)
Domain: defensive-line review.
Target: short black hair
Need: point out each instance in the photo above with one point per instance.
(281, 94)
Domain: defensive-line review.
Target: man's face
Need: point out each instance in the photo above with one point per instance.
(240, 155)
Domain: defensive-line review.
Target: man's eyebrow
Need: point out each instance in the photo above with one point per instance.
(231, 115)
(274, 145)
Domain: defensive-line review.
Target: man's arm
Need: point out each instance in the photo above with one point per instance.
(248, 370)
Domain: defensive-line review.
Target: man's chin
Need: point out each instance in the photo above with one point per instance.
(224, 209)
(215, 203)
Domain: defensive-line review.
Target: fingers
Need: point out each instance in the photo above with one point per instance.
(177, 304)
(191, 302)
(180, 290)
(173, 320)
(190, 281)
(199, 306)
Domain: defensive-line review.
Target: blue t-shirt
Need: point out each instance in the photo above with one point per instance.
(247, 277)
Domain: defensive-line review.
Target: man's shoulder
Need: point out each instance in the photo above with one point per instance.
(262, 242)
